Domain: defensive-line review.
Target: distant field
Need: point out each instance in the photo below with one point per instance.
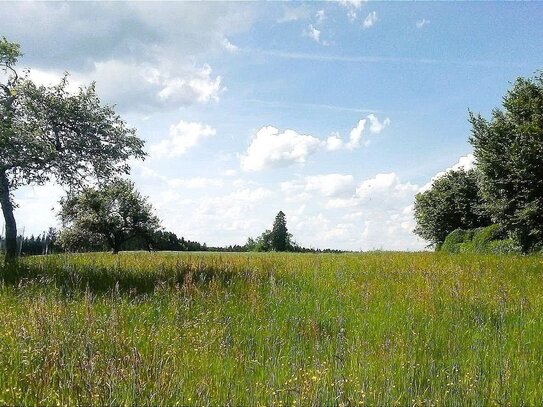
(376, 329)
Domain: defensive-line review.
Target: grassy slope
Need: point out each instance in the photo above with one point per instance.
(382, 328)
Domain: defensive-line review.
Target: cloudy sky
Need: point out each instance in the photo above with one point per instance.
(337, 113)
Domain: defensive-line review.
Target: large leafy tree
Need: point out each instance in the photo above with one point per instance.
(107, 216)
(453, 202)
(48, 133)
(509, 153)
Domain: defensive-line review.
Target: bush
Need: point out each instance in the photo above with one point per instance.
(505, 246)
(454, 240)
(488, 239)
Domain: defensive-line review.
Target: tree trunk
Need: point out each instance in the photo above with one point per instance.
(11, 225)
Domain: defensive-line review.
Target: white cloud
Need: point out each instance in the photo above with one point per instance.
(271, 149)
(422, 23)
(352, 7)
(334, 142)
(199, 87)
(51, 78)
(466, 162)
(140, 85)
(312, 33)
(37, 206)
(355, 136)
(352, 3)
(229, 46)
(183, 136)
(370, 20)
(385, 188)
(378, 213)
(327, 185)
(376, 127)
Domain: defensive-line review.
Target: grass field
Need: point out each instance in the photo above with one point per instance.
(272, 329)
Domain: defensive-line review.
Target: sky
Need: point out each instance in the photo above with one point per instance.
(336, 113)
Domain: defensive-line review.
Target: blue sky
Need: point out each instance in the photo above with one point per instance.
(337, 113)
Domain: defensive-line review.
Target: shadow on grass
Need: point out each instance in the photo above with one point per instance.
(72, 279)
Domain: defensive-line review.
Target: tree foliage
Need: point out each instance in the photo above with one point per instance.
(48, 133)
(509, 153)
(111, 216)
(453, 202)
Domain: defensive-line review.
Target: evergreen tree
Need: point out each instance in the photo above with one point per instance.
(280, 238)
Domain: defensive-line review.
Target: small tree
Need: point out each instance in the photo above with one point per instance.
(107, 216)
(280, 238)
(509, 153)
(453, 202)
(48, 133)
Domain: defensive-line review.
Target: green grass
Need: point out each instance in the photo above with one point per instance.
(272, 329)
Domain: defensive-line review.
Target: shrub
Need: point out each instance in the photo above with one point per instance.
(488, 239)
(455, 239)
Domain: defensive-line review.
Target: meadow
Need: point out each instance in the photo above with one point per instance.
(272, 329)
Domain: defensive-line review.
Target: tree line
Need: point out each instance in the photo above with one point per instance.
(504, 192)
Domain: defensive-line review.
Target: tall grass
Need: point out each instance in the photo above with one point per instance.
(369, 329)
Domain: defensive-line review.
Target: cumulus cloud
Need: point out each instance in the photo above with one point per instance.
(334, 142)
(200, 87)
(422, 23)
(142, 57)
(355, 136)
(271, 148)
(370, 20)
(374, 213)
(466, 162)
(183, 136)
(376, 127)
(385, 188)
(140, 85)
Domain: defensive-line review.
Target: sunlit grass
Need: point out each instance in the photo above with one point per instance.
(281, 329)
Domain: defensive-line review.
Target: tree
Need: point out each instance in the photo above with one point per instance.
(48, 133)
(262, 243)
(509, 153)
(453, 202)
(280, 238)
(110, 216)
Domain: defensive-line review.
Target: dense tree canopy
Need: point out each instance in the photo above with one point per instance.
(48, 133)
(111, 215)
(453, 202)
(509, 153)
